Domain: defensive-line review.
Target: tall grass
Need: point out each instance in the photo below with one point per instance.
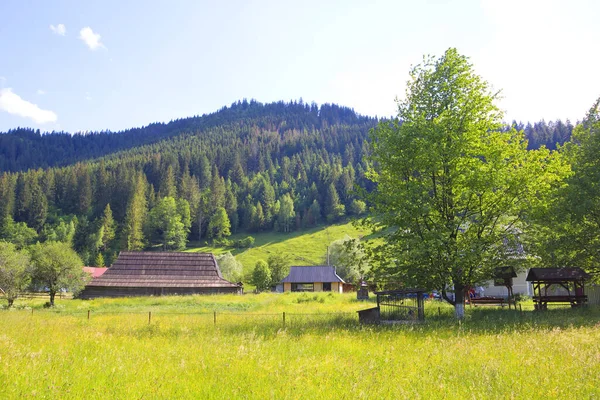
(321, 352)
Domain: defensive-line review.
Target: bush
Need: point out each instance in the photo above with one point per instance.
(243, 243)
(223, 242)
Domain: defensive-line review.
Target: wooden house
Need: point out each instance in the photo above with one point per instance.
(313, 279)
(160, 273)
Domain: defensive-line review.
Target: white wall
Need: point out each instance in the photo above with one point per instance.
(520, 286)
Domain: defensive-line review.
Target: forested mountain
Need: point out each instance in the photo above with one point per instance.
(25, 148)
(246, 168)
(250, 167)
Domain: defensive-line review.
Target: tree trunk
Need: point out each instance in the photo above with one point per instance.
(459, 301)
(52, 294)
(10, 302)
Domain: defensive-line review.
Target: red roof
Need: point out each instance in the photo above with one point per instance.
(95, 272)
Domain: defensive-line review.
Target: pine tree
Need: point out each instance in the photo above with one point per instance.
(135, 217)
(108, 228)
(333, 208)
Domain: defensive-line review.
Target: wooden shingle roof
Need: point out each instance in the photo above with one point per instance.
(556, 274)
(162, 269)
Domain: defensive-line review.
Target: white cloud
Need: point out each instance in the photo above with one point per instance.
(59, 29)
(12, 103)
(41, 92)
(91, 39)
(88, 96)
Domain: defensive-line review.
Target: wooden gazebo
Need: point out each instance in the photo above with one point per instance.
(570, 281)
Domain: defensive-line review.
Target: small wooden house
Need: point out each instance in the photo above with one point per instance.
(160, 273)
(313, 279)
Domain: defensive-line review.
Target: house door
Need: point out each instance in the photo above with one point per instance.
(327, 286)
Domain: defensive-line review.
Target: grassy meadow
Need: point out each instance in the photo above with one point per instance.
(305, 247)
(321, 352)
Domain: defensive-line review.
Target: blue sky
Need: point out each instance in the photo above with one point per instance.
(161, 60)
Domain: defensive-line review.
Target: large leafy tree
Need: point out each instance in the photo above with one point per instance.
(451, 186)
(14, 274)
(568, 230)
(57, 266)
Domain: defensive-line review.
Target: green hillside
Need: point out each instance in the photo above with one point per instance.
(305, 247)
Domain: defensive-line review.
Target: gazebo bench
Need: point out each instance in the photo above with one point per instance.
(541, 302)
(490, 301)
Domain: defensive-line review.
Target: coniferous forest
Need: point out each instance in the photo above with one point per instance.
(246, 168)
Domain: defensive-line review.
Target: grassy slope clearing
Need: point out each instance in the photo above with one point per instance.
(305, 247)
(117, 354)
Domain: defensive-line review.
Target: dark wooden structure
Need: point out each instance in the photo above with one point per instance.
(160, 273)
(403, 305)
(503, 276)
(570, 281)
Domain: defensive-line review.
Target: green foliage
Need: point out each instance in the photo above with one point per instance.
(108, 228)
(166, 223)
(357, 207)
(279, 267)
(451, 184)
(135, 217)
(261, 276)
(231, 269)
(14, 271)
(57, 266)
(334, 210)
(286, 214)
(568, 229)
(219, 225)
(244, 243)
(99, 262)
(349, 259)
(18, 233)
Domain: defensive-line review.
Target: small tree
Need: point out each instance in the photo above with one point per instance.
(349, 258)
(279, 266)
(219, 225)
(14, 276)
(261, 276)
(231, 269)
(57, 266)
(286, 214)
(357, 207)
(99, 261)
(169, 222)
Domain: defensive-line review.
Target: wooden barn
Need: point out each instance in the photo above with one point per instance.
(160, 273)
(313, 279)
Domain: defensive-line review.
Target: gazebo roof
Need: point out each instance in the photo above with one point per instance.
(556, 274)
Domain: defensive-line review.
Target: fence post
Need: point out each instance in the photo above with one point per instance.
(88, 315)
(284, 319)
(439, 311)
(520, 309)
(149, 316)
(215, 317)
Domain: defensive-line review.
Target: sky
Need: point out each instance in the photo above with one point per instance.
(83, 66)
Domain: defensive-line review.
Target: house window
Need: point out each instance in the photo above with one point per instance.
(303, 287)
(327, 286)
